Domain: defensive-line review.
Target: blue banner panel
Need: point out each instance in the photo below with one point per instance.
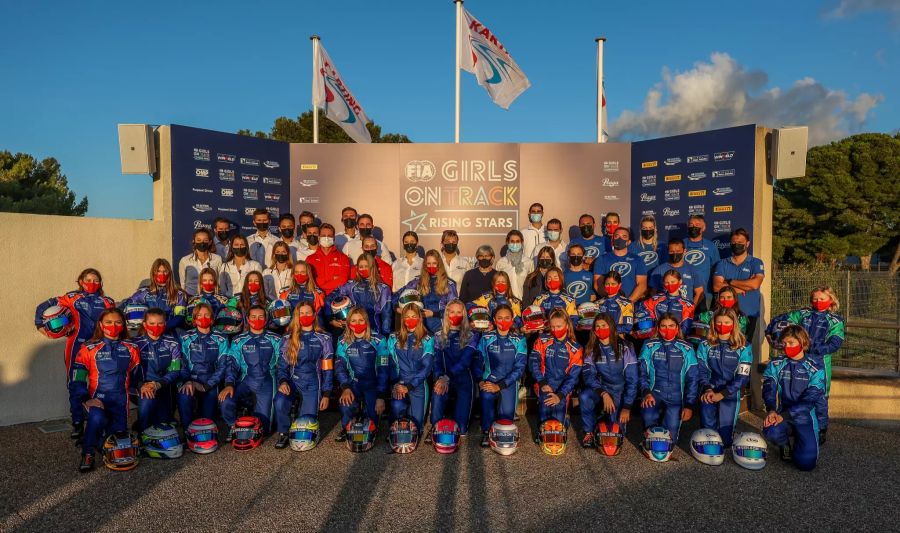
(217, 174)
(709, 173)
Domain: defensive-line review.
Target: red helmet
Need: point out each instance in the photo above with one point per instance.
(445, 436)
(246, 433)
(202, 436)
(610, 438)
(533, 318)
(57, 321)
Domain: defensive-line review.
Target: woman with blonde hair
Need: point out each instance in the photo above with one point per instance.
(647, 245)
(435, 288)
(366, 290)
(454, 348)
(555, 363)
(410, 361)
(361, 370)
(303, 288)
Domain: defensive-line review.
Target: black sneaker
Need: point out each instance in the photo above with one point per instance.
(282, 441)
(785, 453)
(77, 431)
(588, 440)
(87, 463)
(428, 435)
(822, 435)
(485, 442)
(341, 436)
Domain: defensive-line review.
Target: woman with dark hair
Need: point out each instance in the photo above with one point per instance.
(555, 363)
(204, 362)
(160, 368)
(435, 288)
(85, 304)
(278, 277)
(209, 295)
(533, 285)
(163, 293)
(252, 293)
(409, 265)
(236, 266)
(516, 265)
(616, 305)
(500, 294)
(410, 361)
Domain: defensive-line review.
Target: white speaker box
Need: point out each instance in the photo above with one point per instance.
(136, 149)
(789, 147)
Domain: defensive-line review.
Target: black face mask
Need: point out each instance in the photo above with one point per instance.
(303, 229)
(545, 263)
(312, 240)
(365, 232)
(647, 233)
(287, 233)
(484, 263)
(676, 258)
(410, 247)
(281, 258)
(738, 249)
(587, 231)
(262, 226)
(222, 235)
(371, 252)
(239, 252)
(694, 232)
(450, 248)
(349, 223)
(202, 246)
(620, 244)
(576, 260)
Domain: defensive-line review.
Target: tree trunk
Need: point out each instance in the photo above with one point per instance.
(895, 262)
(865, 262)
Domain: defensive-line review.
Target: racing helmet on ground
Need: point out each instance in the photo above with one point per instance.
(121, 451)
(162, 441)
(504, 437)
(445, 436)
(658, 444)
(246, 433)
(610, 437)
(707, 447)
(202, 436)
(304, 433)
(553, 437)
(404, 436)
(360, 435)
(750, 450)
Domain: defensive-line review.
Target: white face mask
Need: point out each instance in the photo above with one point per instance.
(326, 242)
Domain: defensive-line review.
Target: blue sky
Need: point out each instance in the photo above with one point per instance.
(72, 70)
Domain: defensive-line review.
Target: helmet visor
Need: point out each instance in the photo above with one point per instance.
(553, 437)
(610, 441)
(122, 453)
(57, 323)
(302, 434)
(402, 437)
(445, 439)
(660, 446)
(359, 437)
(750, 453)
(245, 433)
(505, 438)
(281, 312)
(202, 437)
(707, 448)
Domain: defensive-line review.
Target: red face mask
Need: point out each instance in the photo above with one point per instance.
(727, 304)
(793, 351)
(156, 330)
(431, 269)
(208, 286)
(560, 333)
(602, 332)
(410, 323)
(612, 290)
(90, 286)
(822, 305)
(554, 284)
(112, 330)
(253, 287)
(455, 320)
(161, 278)
(668, 332)
(363, 273)
(301, 278)
(504, 325)
(203, 321)
(257, 323)
(724, 329)
(359, 329)
(611, 228)
(501, 288)
(306, 320)
(672, 288)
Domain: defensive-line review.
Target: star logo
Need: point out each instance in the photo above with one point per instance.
(415, 222)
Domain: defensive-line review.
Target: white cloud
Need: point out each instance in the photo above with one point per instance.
(723, 93)
(851, 8)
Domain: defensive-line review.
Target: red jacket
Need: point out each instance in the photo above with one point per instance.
(331, 270)
(384, 270)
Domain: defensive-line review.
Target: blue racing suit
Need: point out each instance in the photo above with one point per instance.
(682, 308)
(433, 301)
(205, 363)
(161, 363)
(549, 301)
(175, 311)
(556, 363)
(252, 360)
(361, 366)
(309, 379)
(410, 366)
(501, 359)
(792, 389)
(622, 310)
(725, 370)
(602, 372)
(216, 301)
(453, 363)
(301, 294)
(668, 371)
(490, 302)
(377, 306)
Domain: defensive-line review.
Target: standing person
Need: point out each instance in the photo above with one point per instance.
(498, 368)
(609, 375)
(672, 302)
(365, 225)
(610, 225)
(555, 362)
(367, 291)
(703, 255)
(669, 378)
(478, 280)
(277, 277)
(222, 241)
(592, 245)
(500, 294)
(792, 386)
(303, 288)
(385, 273)
(648, 247)
(435, 288)
(253, 359)
(332, 268)
(455, 265)
(533, 235)
(554, 297)
(163, 293)
(361, 369)
(725, 359)
(204, 363)
(287, 232)
(236, 267)
(534, 282)
(579, 281)
(410, 362)
(102, 372)
(629, 266)
(454, 350)
(691, 288)
(85, 305)
(304, 220)
(616, 305)
(160, 368)
(409, 265)
(311, 240)
(555, 242)
(348, 220)
(262, 240)
(515, 263)
(744, 273)
(305, 371)
(189, 266)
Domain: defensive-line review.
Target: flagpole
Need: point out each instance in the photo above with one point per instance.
(459, 7)
(600, 125)
(315, 110)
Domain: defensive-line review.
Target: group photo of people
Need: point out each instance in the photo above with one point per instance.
(249, 338)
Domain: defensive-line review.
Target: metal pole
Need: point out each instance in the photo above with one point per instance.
(600, 124)
(315, 110)
(459, 7)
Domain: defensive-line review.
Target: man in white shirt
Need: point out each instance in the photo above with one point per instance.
(533, 234)
(348, 219)
(455, 264)
(261, 242)
(222, 240)
(304, 219)
(555, 241)
(190, 266)
(311, 236)
(287, 230)
(365, 224)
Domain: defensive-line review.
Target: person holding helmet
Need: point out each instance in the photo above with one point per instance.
(669, 378)
(435, 287)
(498, 367)
(500, 294)
(792, 385)
(554, 297)
(410, 362)
(101, 373)
(204, 355)
(617, 305)
(533, 285)
(253, 359)
(84, 304)
(672, 302)
(208, 286)
(303, 288)
(305, 370)
(367, 290)
(252, 293)
(555, 362)
(609, 374)
(160, 368)
(725, 360)
(361, 361)
(454, 350)
(164, 293)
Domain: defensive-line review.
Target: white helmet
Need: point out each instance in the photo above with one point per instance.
(657, 444)
(504, 437)
(749, 450)
(707, 447)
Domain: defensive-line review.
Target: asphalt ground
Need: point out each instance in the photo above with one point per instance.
(854, 488)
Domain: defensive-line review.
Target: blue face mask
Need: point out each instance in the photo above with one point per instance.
(515, 247)
(552, 235)
(535, 217)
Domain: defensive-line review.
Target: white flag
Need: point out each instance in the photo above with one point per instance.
(604, 134)
(331, 93)
(482, 54)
